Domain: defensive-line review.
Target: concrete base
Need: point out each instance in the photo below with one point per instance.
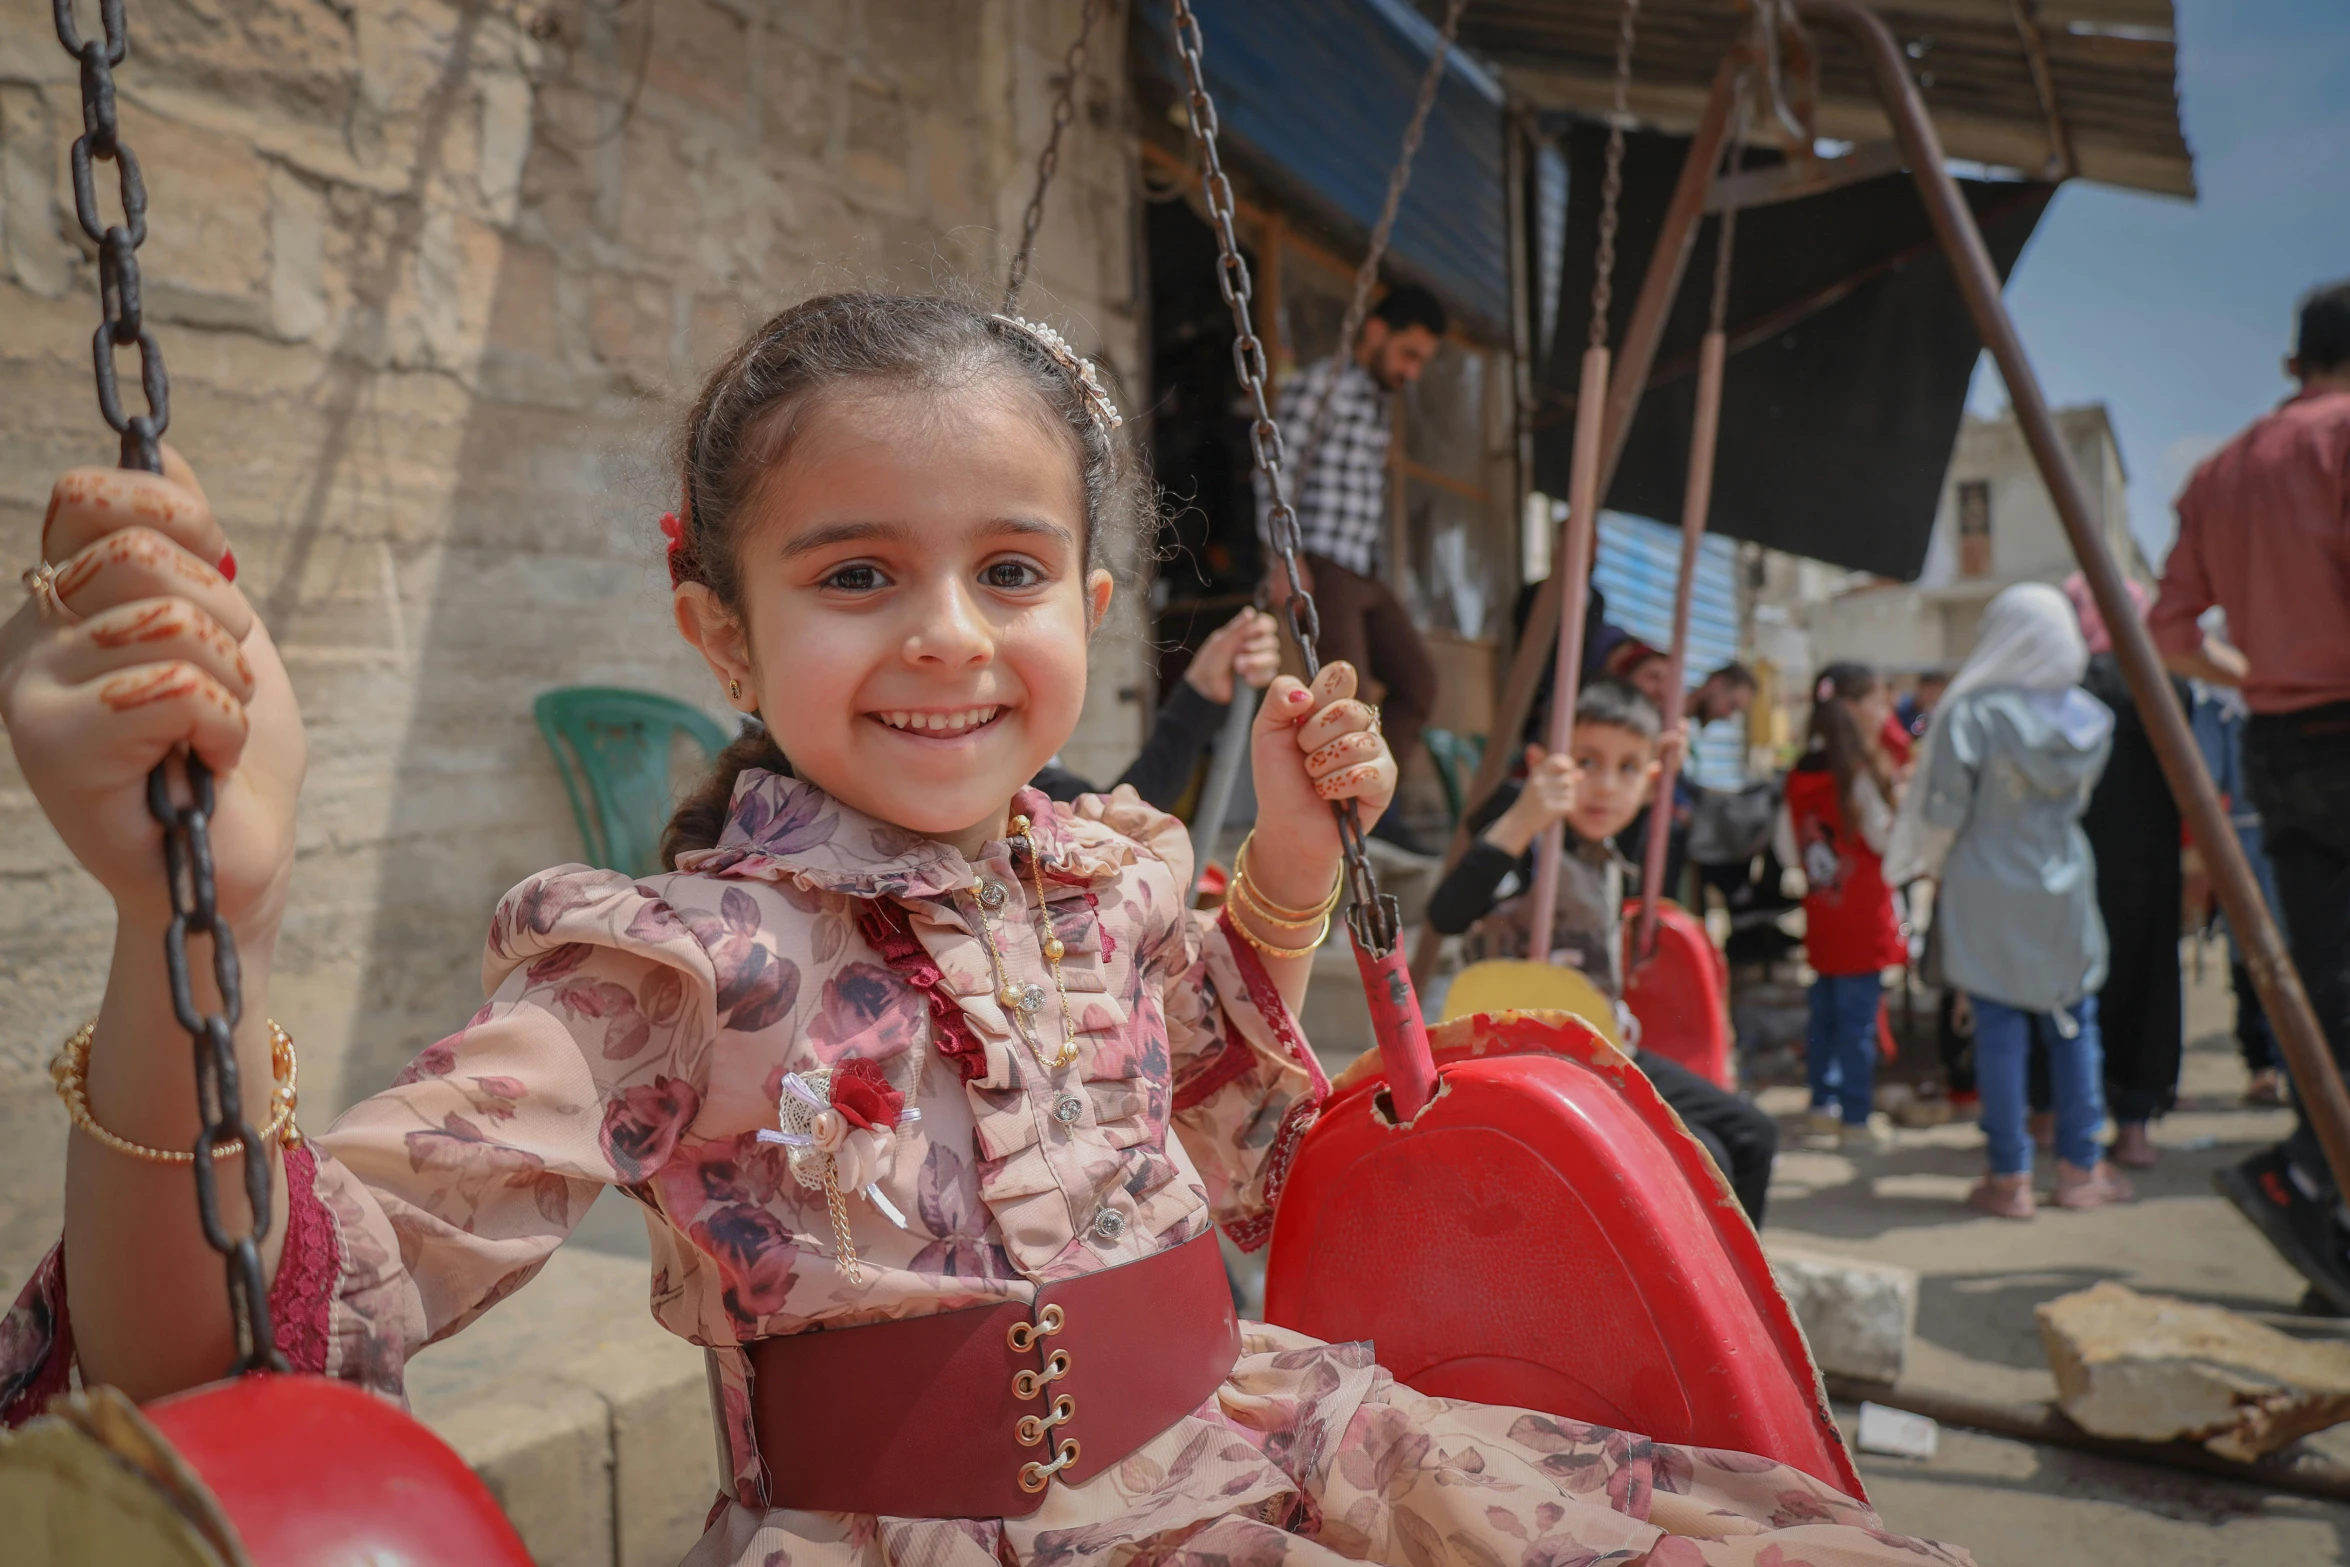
(589, 1422)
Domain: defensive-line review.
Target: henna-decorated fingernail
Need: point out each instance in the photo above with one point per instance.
(228, 564)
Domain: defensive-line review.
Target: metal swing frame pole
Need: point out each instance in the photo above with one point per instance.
(2315, 1075)
(1634, 359)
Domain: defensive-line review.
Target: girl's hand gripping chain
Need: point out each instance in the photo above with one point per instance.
(1311, 747)
(136, 642)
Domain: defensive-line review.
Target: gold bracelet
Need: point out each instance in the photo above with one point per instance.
(71, 1073)
(1243, 893)
(1275, 910)
(1270, 950)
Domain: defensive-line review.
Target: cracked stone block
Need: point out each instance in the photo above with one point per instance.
(2154, 1369)
(1857, 1314)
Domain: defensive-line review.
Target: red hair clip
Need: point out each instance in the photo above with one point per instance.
(674, 531)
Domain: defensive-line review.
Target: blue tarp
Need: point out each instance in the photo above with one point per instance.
(1317, 94)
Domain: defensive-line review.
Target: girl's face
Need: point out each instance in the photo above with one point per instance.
(1872, 709)
(916, 604)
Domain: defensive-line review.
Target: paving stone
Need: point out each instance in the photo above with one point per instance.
(1857, 1314)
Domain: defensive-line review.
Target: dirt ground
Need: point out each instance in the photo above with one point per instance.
(2012, 1502)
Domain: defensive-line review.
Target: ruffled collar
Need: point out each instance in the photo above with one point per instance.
(786, 829)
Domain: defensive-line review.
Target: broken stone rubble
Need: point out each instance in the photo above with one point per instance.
(2155, 1369)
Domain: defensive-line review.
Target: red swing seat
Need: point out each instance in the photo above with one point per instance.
(312, 1472)
(1546, 1234)
(1680, 992)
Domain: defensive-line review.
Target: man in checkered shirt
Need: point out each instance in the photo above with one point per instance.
(1342, 511)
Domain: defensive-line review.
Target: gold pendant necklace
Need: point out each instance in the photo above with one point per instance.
(1021, 1003)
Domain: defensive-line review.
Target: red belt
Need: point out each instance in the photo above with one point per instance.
(973, 1413)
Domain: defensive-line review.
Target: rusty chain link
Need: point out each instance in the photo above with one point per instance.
(1611, 185)
(1374, 917)
(187, 840)
(1048, 162)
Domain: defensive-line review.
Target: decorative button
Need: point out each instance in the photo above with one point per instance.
(1109, 1224)
(1031, 999)
(991, 895)
(1067, 1109)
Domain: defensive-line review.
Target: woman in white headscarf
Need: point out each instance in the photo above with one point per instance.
(1994, 815)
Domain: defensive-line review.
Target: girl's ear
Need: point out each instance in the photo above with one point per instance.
(1099, 585)
(718, 636)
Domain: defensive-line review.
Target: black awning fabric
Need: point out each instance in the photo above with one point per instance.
(1850, 354)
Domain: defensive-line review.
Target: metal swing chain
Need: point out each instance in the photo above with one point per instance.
(1374, 918)
(187, 840)
(1358, 307)
(1048, 162)
(1611, 185)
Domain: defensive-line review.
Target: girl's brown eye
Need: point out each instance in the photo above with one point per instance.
(1011, 575)
(854, 579)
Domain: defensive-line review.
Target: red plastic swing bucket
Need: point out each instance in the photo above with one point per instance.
(313, 1472)
(1546, 1234)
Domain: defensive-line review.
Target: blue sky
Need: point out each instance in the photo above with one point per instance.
(2176, 315)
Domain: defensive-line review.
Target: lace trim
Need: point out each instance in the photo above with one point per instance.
(890, 933)
(1250, 1234)
(36, 1344)
(37, 1357)
(1266, 997)
(308, 1265)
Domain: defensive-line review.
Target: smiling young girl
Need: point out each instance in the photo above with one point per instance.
(894, 1052)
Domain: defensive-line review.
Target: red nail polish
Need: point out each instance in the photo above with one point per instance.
(228, 564)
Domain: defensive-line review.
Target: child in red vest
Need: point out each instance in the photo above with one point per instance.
(1838, 814)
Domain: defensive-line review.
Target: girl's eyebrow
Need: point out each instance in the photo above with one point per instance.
(832, 534)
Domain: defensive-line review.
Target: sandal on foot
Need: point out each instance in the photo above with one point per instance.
(2133, 1147)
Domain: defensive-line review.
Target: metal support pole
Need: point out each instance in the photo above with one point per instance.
(1634, 359)
(1696, 502)
(2273, 974)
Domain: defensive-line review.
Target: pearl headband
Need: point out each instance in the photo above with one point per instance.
(1079, 369)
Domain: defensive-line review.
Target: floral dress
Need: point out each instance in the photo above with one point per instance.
(637, 1035)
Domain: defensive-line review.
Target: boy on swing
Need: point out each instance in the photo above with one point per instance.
(1596, 788)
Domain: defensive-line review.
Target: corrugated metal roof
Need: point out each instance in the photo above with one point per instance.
(2112, 69)
(1638, 567)
(1319, 92)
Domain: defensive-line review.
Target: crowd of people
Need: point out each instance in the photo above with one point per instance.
(2008, 820)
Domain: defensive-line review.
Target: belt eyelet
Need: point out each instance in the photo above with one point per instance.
(1028, 1384)
(1033, 1429)
(1024, 1335)
(1034, 1477)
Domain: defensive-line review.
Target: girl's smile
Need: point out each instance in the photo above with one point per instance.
(916, 603)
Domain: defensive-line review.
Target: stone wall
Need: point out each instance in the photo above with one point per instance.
(432, 280)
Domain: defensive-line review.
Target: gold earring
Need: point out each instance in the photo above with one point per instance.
(734, 689)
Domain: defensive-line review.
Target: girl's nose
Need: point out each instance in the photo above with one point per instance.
(949, 629)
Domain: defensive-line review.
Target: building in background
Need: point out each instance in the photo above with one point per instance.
(1996, 526)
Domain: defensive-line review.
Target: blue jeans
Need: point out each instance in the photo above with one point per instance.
(1840, 1053)
(2003, 1045)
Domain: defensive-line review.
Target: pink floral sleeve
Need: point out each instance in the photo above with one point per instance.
(451, 1188)
(429, 1203)
(1246, 1084)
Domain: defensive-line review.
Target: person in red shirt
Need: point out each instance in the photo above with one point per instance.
(2264, 533)
(1838, 815)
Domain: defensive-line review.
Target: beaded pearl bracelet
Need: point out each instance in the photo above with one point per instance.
(71, 1073)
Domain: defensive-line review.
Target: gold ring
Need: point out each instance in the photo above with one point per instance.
(40, 584)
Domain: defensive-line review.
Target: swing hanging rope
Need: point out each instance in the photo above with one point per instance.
(1573, 558)
(1696, 504)
(1048, 162)
(187, 839)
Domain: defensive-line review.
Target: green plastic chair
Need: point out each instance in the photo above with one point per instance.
(618, 742)
(1457, 758)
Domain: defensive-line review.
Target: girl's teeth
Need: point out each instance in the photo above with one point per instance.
(941, 723)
